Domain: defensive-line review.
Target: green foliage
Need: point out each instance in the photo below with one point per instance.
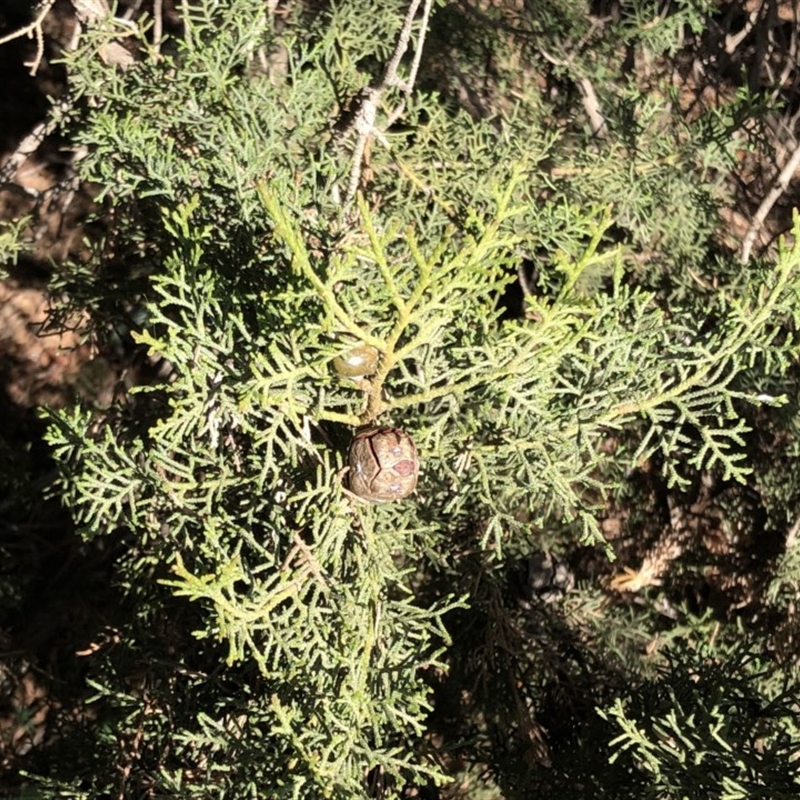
(12, 243)
(700, 716)
(238, 270)
(708, 728)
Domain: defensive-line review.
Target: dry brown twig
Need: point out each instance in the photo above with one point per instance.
(793, 535)
(670, 546)
(33, 30)
(366, 112)
(87, 12)
(769, 48)
(780, 186)
(30, 143)
(733, 40)
(591, 103)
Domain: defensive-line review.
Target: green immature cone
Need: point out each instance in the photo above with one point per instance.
(360, 362)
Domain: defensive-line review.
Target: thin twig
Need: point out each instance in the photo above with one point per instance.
(390, 73)
(591, 104)
(34, 29)
(780, 186)
(733, 40)
(792, 535)
(28, 146)
(158, 25)
(592, 107)
(367, 108)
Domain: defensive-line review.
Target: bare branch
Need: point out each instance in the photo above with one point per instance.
(592, 107)
(33, 30)
(780, 186)
(367, 108)
(591, 104)
(390, 73)
(158, 24)
(28, 146)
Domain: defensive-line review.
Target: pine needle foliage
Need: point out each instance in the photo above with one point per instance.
(235, 264)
